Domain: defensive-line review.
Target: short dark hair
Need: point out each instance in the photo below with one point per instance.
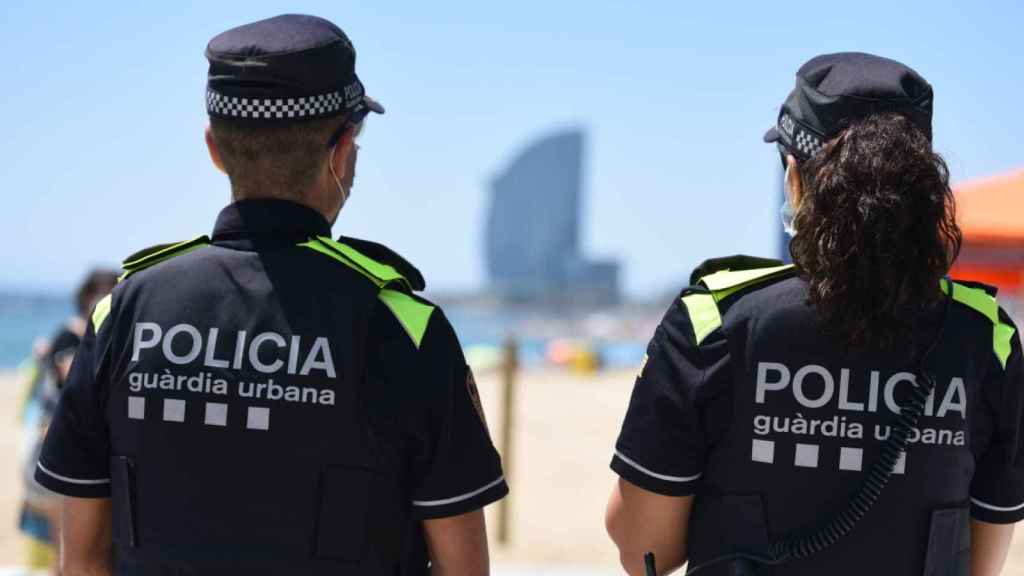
(282, 157)
(876, 230)
(98, 282)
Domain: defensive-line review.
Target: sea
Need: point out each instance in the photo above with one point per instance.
(28, 318)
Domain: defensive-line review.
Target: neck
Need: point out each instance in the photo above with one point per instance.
(316, 193)
(305, 199)
(265, 192)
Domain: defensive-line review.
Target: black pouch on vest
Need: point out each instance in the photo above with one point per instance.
(949, 543)
(342, 517)
(122, 480)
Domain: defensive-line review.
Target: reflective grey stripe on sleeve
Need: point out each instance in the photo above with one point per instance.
(996, 508)
(652, 474)
(459, 498)
(72, 480)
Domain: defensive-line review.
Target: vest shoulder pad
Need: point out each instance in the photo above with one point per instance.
(721, 278)
(387, 270)
(383, 275)
(385, 255)
(154, 254)
(726, 276)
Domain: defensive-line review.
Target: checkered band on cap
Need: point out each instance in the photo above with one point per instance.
(218, 104)
(807, 143)
(802, 141)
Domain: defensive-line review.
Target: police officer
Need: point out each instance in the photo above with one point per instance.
(854, 413)
(267, 400)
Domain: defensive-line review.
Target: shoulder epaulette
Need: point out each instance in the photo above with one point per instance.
(380, 273)
(725, 283)
(987, 288)
(731, 263)
(716, 280)
(156, 254)
(981, 298)
(395, 288)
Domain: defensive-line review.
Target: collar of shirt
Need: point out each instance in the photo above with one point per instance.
(267, 223)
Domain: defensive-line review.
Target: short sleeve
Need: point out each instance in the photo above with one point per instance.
(75, 457)
(997, 490)
(455, 467)
(663, 443)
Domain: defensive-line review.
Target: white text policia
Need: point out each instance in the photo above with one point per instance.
(245, 354)
(813, 386)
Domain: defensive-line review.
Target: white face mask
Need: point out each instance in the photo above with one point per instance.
(787, 212)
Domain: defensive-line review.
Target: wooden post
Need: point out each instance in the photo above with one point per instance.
(509, 372)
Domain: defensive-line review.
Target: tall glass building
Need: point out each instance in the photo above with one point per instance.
(533, 229)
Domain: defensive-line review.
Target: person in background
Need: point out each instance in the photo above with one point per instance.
(854, 413)
(40, 514)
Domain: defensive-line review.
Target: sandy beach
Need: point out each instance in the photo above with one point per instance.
(12, 545)
(564, 431)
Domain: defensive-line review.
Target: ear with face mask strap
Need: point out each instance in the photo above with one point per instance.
(337, 181)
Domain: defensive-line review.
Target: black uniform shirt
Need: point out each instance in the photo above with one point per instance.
(765, 404)
(254, 367)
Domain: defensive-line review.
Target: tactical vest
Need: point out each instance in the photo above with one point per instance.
(731, 519)
(308, 489)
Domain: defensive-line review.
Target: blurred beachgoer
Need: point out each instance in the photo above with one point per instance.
(40, 515)
(855, 413)
(270, 400)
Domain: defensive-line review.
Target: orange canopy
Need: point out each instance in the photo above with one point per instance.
(991, 216)
(991, 210)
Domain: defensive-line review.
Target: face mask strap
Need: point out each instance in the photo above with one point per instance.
(337, 181)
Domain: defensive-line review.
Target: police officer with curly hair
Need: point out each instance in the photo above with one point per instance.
(268, 400)
(856, 412)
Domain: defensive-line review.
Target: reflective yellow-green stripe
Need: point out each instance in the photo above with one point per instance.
(1002, 342)
(982, 302)
(704, 315)
(319, 246)
(412, 314)
(975, 298)
(100, 313)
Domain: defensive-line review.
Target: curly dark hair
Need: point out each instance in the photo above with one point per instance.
(877, 230)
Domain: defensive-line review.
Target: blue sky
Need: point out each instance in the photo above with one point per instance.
(103, 154)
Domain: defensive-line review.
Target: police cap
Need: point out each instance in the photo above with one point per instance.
(291, 67)
(834, 89)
